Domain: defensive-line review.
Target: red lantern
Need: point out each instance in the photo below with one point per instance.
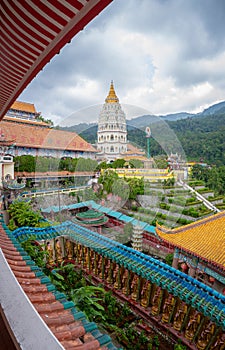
(184, 266)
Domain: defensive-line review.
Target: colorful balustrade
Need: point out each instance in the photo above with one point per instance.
(169, 295)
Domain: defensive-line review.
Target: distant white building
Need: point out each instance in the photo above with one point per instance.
(112, 129)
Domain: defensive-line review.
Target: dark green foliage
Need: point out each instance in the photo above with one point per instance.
(169, 259)
(202, 138)
(213, 177)
(37, 251)
(25, 163)
(118, 163)
(21, 214)
(136, 163)
(45, 164)
(107, 179)
(136, 186)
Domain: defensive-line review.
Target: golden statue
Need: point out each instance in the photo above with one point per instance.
(124, 282)
(167, 308)
(192, 325)
(79, 253)
(117, 278)
(220, 343)
(109, 273)
(206, 335)
(85, 257)
(134, 288)
(92, 260)
(100, 267)
(156, 301)
(50, 253)
(69, 249)
(179, 316)
(145, 294)
(58, 250)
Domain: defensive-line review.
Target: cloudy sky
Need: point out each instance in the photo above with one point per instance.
(164, 56)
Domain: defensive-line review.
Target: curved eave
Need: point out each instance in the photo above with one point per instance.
(32, 33)
(177, 239)
(185, 250)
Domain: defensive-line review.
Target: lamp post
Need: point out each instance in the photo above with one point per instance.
(148, 135)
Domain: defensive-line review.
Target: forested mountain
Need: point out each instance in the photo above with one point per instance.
(202, 135)
(202, 138)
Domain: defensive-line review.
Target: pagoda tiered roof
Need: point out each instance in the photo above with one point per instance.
(204, 238)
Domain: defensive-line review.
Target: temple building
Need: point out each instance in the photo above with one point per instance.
(199, 249)
(112, 129)
(32, 136)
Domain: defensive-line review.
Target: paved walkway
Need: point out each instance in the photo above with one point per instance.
(205, 201)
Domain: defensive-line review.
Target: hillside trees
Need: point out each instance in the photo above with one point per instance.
(21, 214)
(213, 177)
(28, 163)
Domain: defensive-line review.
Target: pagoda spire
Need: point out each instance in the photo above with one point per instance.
(111, 98)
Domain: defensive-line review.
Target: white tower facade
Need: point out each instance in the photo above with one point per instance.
(112, 128)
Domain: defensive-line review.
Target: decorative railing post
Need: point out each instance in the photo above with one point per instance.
(84, 257)
(89, 260)
(96, 257)
(82, 254)
(138, 289)
(128, 291)
(103, 268)
(79, 255)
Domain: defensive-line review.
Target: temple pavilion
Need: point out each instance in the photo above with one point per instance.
(38, 138)
(199, 249)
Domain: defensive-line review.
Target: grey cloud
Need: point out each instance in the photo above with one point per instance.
(193, 29)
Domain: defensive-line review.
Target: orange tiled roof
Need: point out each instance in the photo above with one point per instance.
(132, 149)
(142, 158)
(23, 106)
(26, 121)
(37, 137)
(204, 238)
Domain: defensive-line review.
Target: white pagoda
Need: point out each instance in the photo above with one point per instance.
(137, 238)
(112, 129)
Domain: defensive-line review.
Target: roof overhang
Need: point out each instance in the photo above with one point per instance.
(34, 31)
